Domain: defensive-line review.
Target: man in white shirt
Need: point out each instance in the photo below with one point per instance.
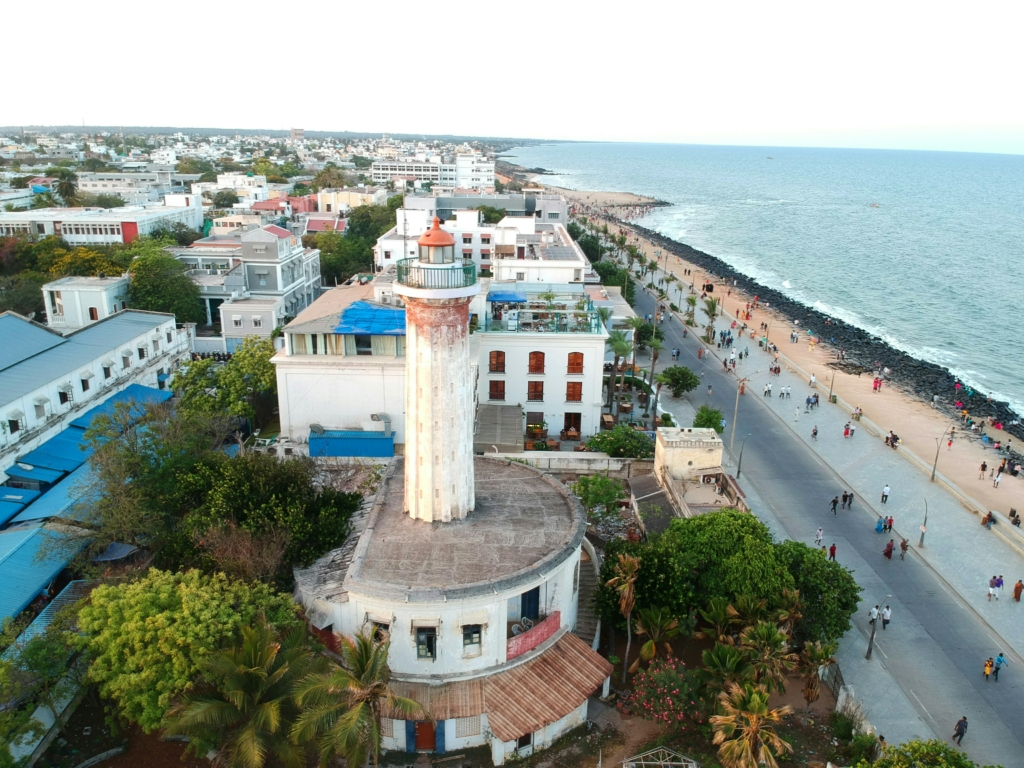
(886, 616)
(873, 615)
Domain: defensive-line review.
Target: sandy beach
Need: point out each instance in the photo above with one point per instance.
(610, 200)
(921, 428)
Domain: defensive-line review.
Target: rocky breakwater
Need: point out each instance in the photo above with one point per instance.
(862, 349)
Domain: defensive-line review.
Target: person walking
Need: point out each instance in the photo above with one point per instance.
(834, 504)
(888, 552)
(873, 614)
(996, 479)
(981, 473)
(999, 585)
(849, 501)
(1018, 588)
(843, 505)
(904, 546)
(814, 432)
(992, 588)
(886, 616)
(885, 493)
(989, 666)
(888, 524)
(853, 428)
(1000, 662)
(818, 537)
(960, 730)
(832, 553)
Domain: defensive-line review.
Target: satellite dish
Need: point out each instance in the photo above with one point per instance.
(316, 429)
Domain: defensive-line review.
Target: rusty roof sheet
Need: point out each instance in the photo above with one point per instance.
(520, 700)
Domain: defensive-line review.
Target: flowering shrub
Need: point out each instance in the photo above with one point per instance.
(668, 691)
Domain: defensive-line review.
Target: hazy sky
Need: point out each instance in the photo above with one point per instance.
(867, 74)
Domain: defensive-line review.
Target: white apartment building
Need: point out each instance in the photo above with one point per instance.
(544, 255)
(465, 171)
(75, 302)
(46, 377)
(333, 200)
(98, 226)
(473, 238)
(137, 188)
(249, 187)
(249, 316)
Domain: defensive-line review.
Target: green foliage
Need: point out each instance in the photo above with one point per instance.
(369, 222)
(680, 380)
(23, 294)
(575, 230)
(149, 637)
(646, 332)
(709, 418)
(828, 591)
(179, 232)
(598, 494)
(361, 162)
(226, 198)
(670, 693)
(622, 442)
(842, 726)
(159, 284)
(81, 261)
(922, 754)
(93, 164)
(90, 200)
(861, 748)
(342, 256)
(491, 215)
(195, 165)
(243, 705)
(245, 386)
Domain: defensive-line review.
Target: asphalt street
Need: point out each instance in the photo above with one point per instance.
(936, 644)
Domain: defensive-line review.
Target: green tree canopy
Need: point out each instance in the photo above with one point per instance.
(622, 442)
(828, 592)
(159, 284)
(195, 165)
(680, 380)
(149, 637)
(598, 494)
(23, 294)
(225, 198)
(708, 418)
(369, 222)
(342, 256)
(491, 215)
(922, 754)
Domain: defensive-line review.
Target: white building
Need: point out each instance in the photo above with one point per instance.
(333, 200)
(98, 226)
(75, 302)
(470, 566)
(539, 254)
(137, 188)
(474, 239)
(249, 187)
(465, 171)
(46, 377)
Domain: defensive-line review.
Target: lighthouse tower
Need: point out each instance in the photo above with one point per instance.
(437, 288)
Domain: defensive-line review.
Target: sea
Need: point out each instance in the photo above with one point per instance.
(923, 249)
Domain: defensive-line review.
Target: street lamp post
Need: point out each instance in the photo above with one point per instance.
(830, 386)
(736, 410)
(924, 525)
(938, 447)
(739, 464)
(874, 626)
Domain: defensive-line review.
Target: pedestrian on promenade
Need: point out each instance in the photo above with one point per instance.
(981, 474)
(709, 390)
(995, 481)
(835, 503)
(873, 614)
(845, 496)
(846, 431)
(960, 730)
(1017, 589)
(888, 524)
(796, 415)
(999, 585)
(888, 552)
(880, 525)
(818, 537)
(814, 380)
(789, 392)
(1000, 661)
(849, 501)
(832, 553)
(904, 546)
(886, 616)
(814, 432)
(885, 493)
(782, 392)
(992, 588)
(765, 392)
(853, 428)
(989, 666)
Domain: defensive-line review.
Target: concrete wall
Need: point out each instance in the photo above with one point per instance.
(683, 451)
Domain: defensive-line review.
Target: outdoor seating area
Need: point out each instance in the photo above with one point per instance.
(545, 311)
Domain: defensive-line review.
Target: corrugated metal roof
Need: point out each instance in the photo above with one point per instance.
(522, 699)
(37, 474)
(71, 594)
(22, 572)
(23, 339)
(60, 500)
(66, 358)
(362, 317)
(9, 509)
(67, 451)
(141, 395)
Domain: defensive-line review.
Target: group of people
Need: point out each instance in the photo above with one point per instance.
(884, 524)
(995, 586)
(992, 666)
(892, 440)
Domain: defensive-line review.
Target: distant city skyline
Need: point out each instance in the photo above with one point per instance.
(881, 76)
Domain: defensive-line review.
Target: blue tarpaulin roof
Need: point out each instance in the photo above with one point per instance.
(71, 594)
(59, 500)
(18, 495)
(23, 574)
(338, 442)
(133, 392)
(506, 296)
(9, 509)
(38, 474)
(66, 451)
(362, 318)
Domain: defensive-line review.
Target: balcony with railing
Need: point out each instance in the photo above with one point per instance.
(529, 637)
(547, 321)
(432, 276)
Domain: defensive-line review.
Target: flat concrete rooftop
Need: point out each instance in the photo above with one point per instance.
(524, 524)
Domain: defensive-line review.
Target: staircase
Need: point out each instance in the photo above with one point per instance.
(587, 623)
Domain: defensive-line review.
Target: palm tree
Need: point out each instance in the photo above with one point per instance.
(724, 664)
(66, 187)
(660, 380)
(719, 617)
(620, 346)
(330, 176)
(246, 705)
(44, 200)
(342, 707)
(691, 310)
(789, 611)
(659, 626)
(749, 610)
(745, 729)
(767, 650)
(711, 310)
(605, 313)
(815, 656)
(656, 347)
(624, 584)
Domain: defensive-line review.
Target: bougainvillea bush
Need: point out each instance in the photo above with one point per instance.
(668, 692)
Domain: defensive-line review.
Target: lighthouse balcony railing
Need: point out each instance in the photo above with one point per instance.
(416, 274)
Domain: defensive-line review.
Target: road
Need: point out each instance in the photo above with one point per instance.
(936, 644)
